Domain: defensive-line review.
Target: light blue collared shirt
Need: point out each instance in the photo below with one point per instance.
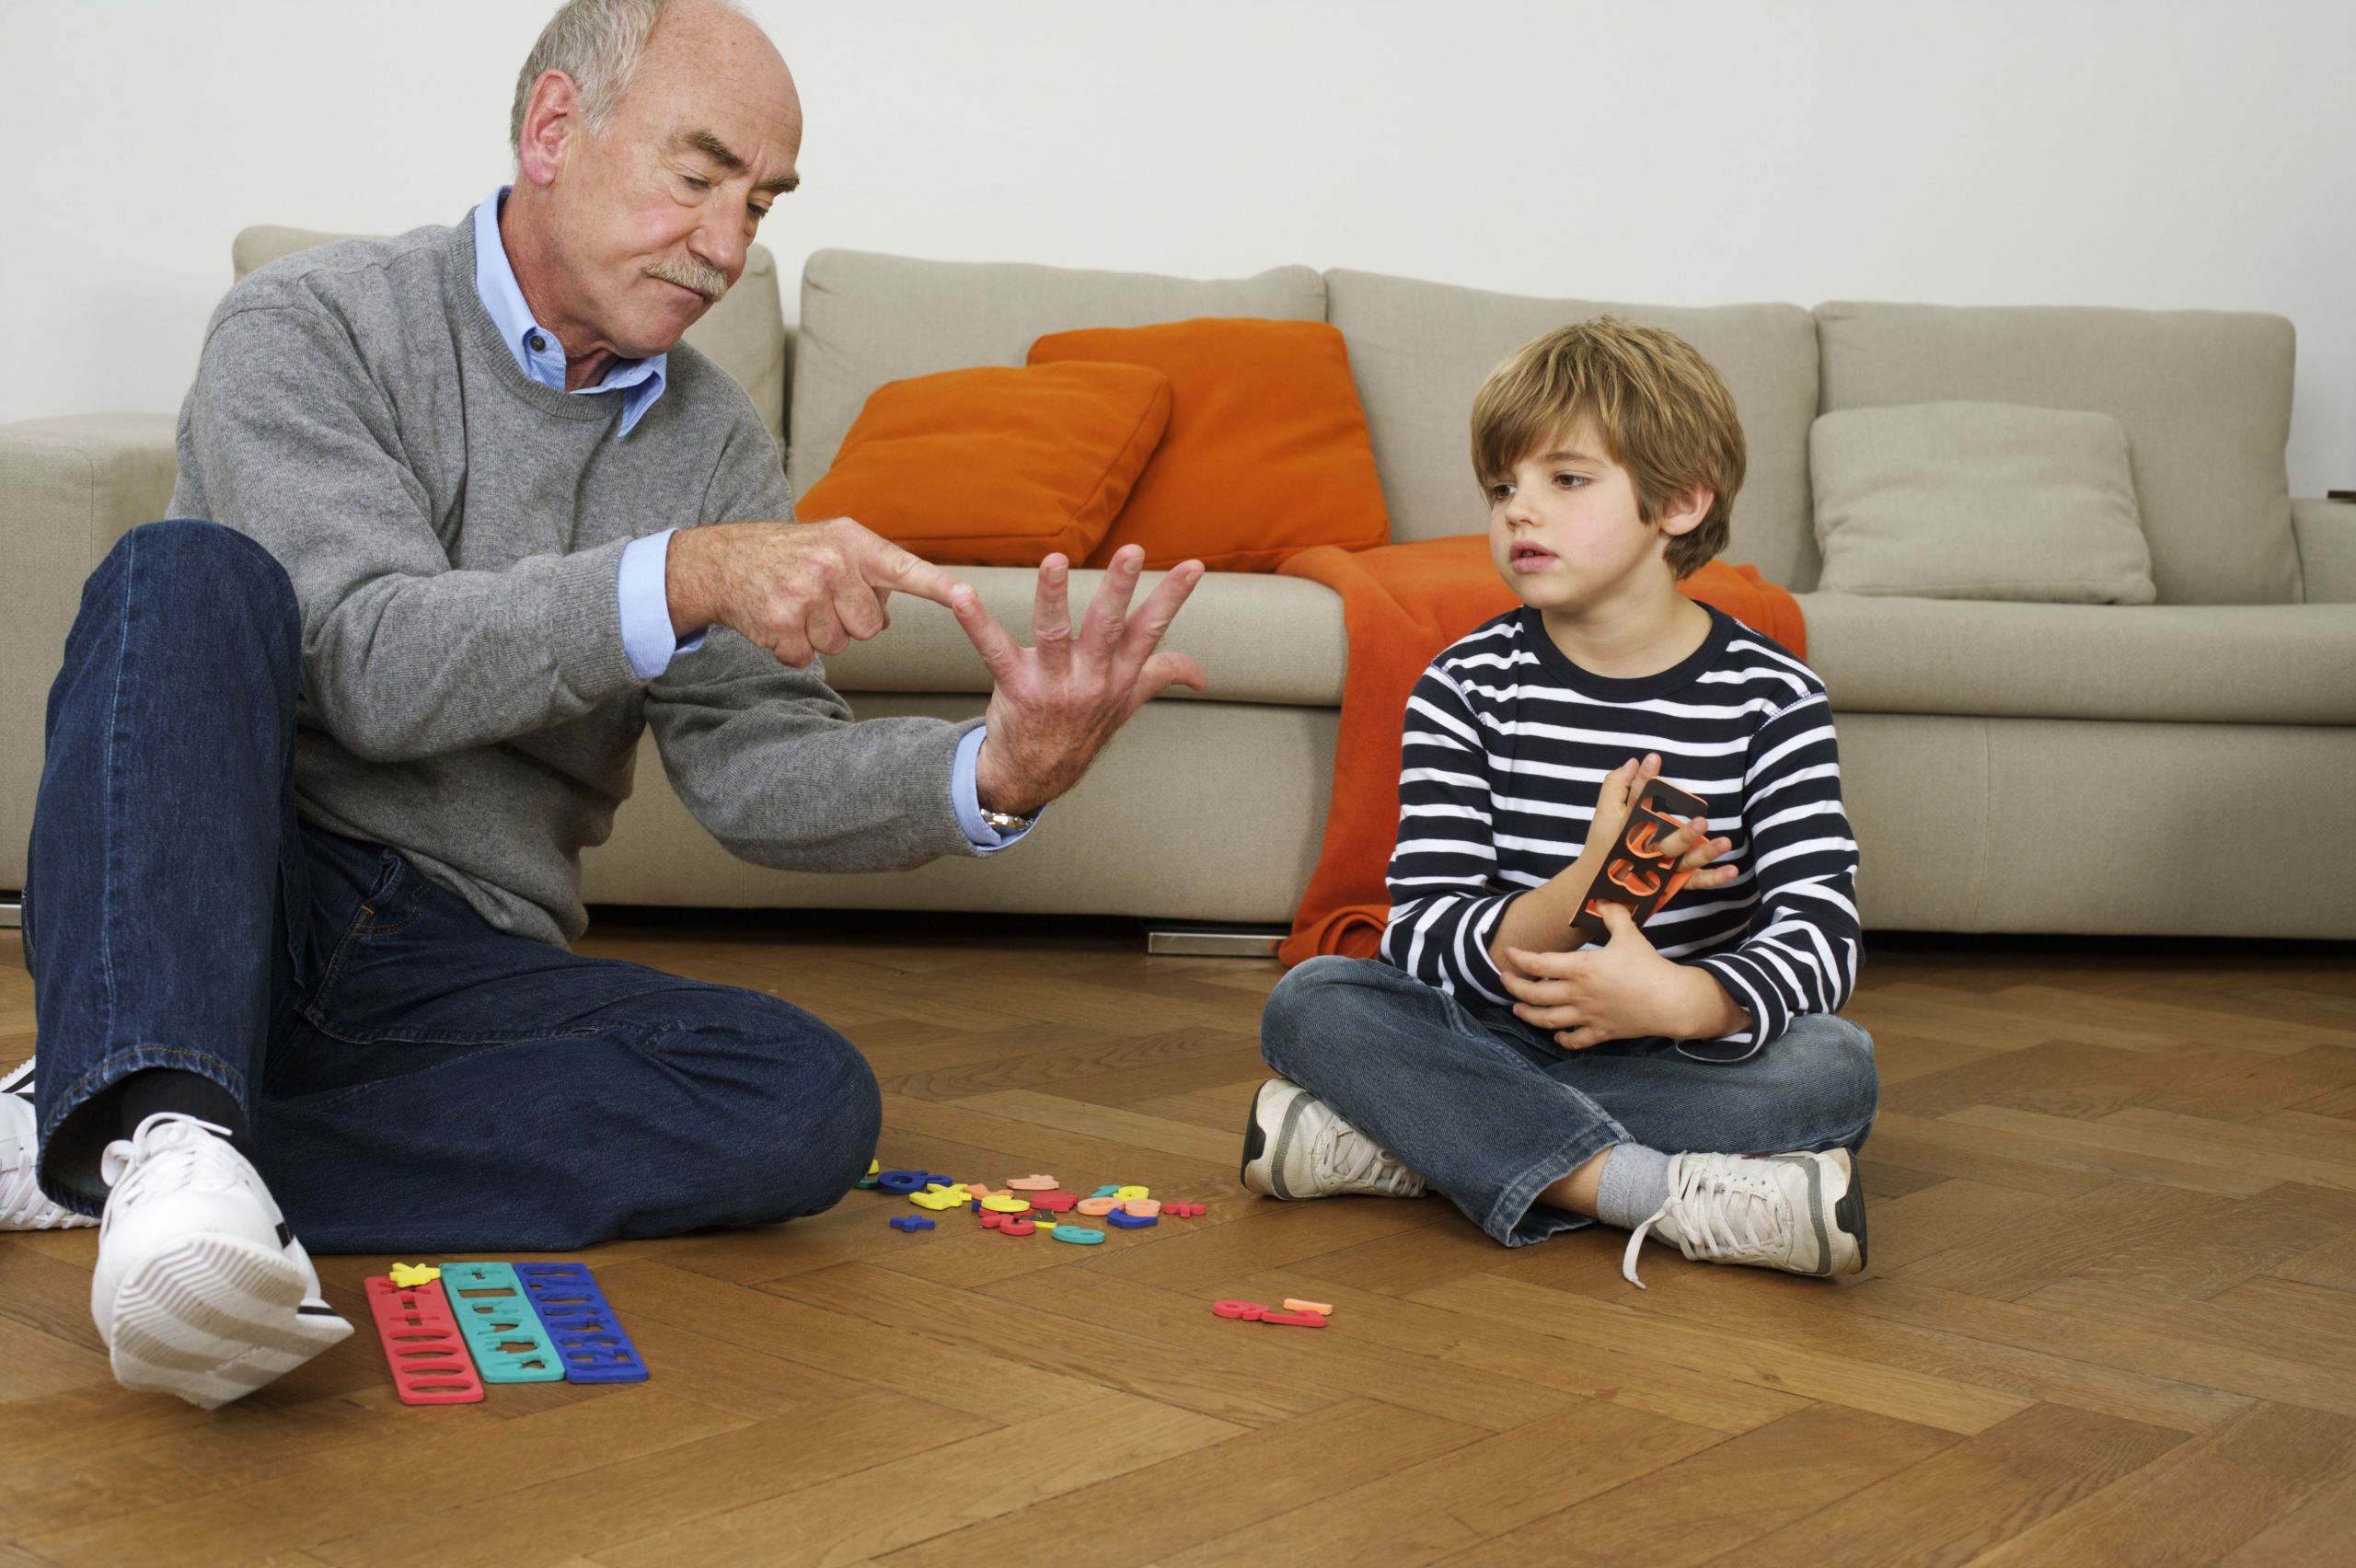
(647, 638)
(541, 356)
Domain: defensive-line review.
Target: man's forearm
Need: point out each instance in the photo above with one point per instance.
(1540, 921)
(685, 582)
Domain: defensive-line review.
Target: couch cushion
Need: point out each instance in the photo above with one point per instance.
(744, 333)
(1420, 350)
(1977, 501)
(1260, 639)
(1266, 453)
(2205, 397)
(2201, 663)
(997, 467)
(869, 318)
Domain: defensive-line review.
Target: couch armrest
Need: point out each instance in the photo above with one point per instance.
(2326, 531)
(69, 488)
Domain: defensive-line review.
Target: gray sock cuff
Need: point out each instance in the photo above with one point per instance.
(1634, 1185)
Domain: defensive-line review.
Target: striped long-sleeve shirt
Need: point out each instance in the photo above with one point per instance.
(1506, 746)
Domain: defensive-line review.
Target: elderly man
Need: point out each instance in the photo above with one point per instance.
(305, 857)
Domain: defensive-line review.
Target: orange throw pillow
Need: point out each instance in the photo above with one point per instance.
(997, 466)
(1267, 451)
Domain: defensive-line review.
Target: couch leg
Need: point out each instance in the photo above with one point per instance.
(1213, 941)
(11, 910)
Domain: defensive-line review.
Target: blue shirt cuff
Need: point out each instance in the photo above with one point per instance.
(646, 606)
(969, 801)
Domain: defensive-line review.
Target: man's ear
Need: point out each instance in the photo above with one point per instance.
(551, 119)
(1685, 509)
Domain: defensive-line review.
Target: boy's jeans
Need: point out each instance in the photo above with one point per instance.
(416, 1080)
(1491, 1113)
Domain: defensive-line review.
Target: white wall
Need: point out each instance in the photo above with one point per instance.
(2160, 155)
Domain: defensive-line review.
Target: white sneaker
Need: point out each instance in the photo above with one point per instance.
(200, 1289)
(23, 1205)
(1296, 1147)
(1801, 1213)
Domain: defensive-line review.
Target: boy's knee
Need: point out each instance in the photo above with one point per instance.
(1304, 981)
(1835, 1063)
(1307, 992)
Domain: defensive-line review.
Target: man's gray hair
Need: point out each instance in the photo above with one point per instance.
(598, 43)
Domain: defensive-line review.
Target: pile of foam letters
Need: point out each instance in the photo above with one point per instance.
(1034, 1204)
(1026, 1205)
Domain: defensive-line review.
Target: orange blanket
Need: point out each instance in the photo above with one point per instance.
(1400, 605)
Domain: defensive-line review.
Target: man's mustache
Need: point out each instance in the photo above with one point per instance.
(709, 282)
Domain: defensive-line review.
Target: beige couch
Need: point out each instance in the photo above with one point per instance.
(2179, 768)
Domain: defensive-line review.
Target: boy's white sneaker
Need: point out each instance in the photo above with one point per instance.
(1801, 1213)
(200, 1289)
(23, 1205)
(1296, 1145)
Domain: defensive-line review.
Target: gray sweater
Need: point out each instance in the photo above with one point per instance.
(454, 530)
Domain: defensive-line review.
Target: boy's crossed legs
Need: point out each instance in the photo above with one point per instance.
(1525, 1137)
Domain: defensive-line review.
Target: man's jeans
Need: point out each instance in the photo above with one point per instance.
(415, 1079)
(1492, 1112)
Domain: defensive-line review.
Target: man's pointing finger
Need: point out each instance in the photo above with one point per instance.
(890, 567)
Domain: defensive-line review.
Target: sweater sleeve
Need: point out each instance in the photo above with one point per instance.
(291, 442)
(1802, 949)
(769, 758)
(1445, 899)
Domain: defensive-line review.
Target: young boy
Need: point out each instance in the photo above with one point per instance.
(1541, 1083)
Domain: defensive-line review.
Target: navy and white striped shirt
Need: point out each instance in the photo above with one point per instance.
(1506, 746)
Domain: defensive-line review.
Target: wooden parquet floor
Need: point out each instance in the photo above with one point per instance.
(2111, 1316)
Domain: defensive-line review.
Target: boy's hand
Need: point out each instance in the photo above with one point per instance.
(1543, 914)
(1622, 990)
(1690, 849)
(1614, 799)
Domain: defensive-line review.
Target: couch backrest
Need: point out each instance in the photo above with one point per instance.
(869, 318)
(2205, 397)
(745, 333)
(1420, 350)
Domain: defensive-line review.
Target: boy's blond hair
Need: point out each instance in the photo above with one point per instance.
(1657, 405)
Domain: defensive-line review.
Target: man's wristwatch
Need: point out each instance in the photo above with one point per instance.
(1003, 822)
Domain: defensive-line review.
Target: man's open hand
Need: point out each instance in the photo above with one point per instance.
(797, 589)
(1055, 705)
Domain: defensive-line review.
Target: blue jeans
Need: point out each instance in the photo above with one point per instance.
(1491, 1113)
(415, 1081)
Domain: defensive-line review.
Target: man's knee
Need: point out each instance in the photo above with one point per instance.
(797, 1111)
(190, 574)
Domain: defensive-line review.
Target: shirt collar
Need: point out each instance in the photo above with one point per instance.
(538, 353)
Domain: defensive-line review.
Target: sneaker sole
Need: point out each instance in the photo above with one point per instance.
(214, 1317)
(53, 1216)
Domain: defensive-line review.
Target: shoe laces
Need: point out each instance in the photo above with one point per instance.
(1344, 1157)
(171, 1150)
(1718, 1207)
